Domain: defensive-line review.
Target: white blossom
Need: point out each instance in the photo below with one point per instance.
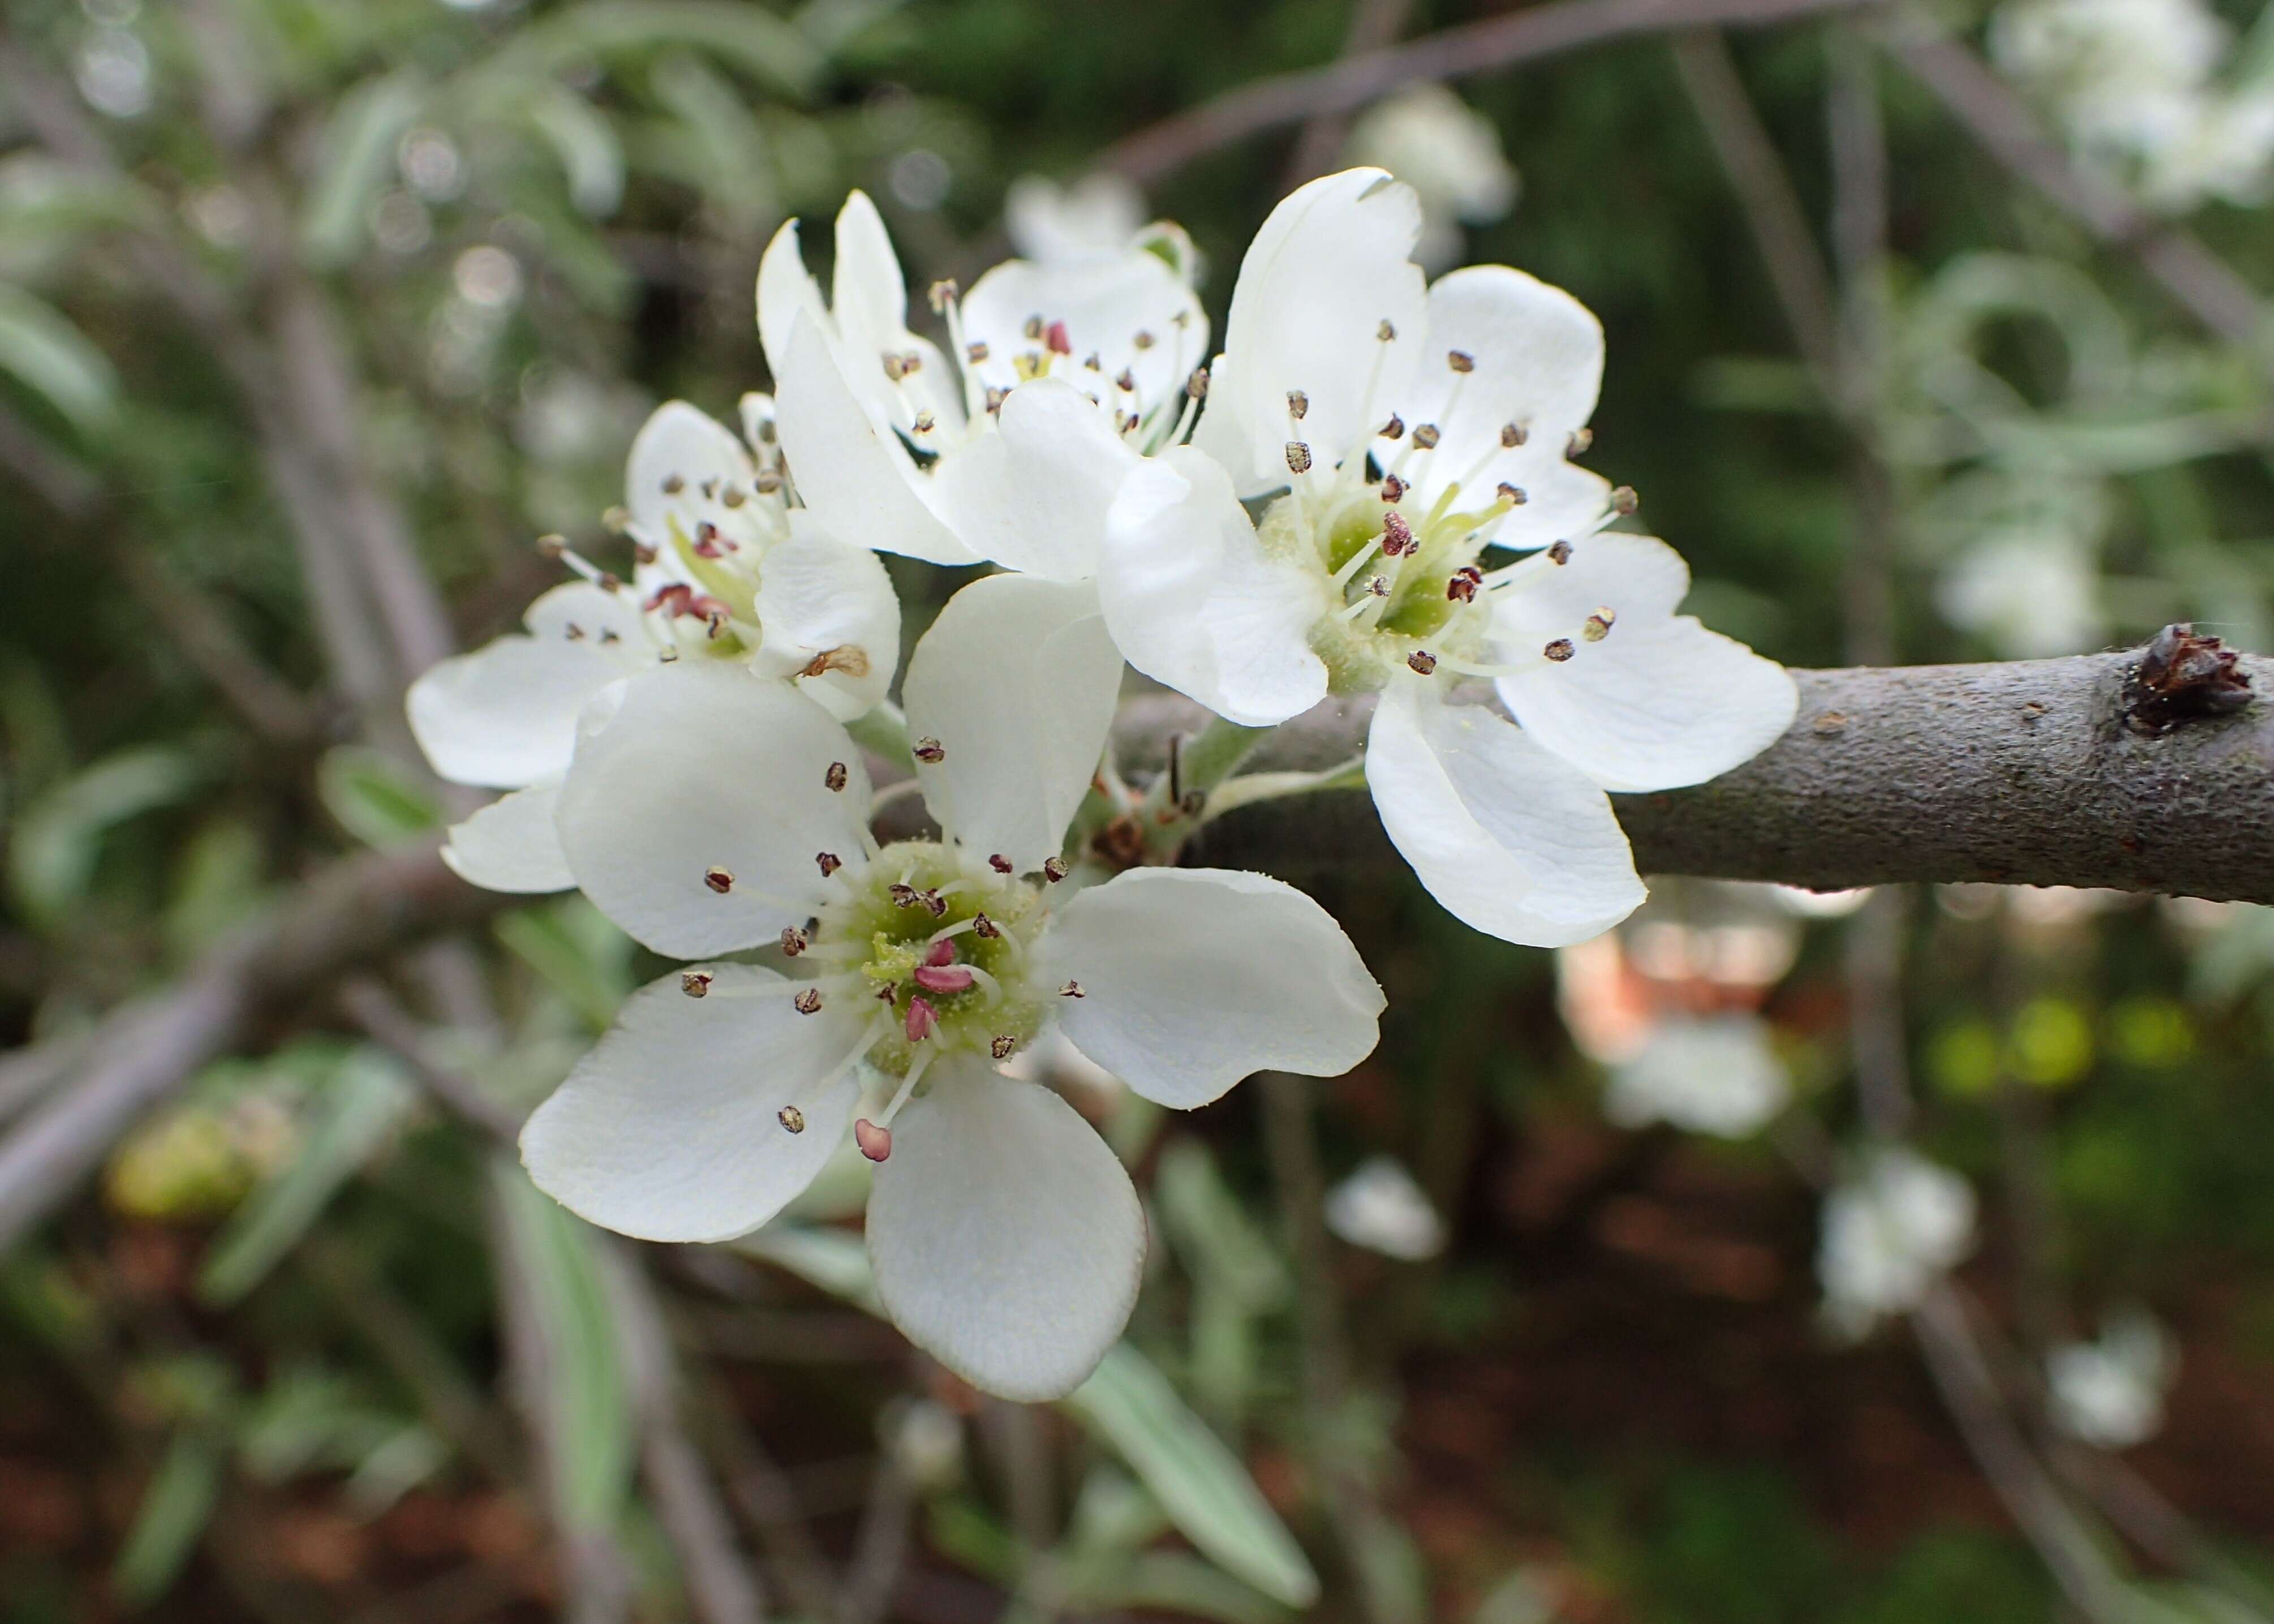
(1092, 219)
(1380, 1207)
(708, 814)
(1449, 153)
(1714, 1074)
(726, 574)
(1890, 1230)
(1390, 434)
(894, 442)
(2110, 1393)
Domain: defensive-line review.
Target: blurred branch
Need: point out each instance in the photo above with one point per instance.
(1373, 25)
(2206, 285)
(1764, 190)
(1344, 87)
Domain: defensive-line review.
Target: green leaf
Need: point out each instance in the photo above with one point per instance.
(586, 145)
(174, 1509)
(763, 45)
(1171, 1581)
(1203, 1487)
(585, 1389)
(53, 857)
(374, 797)
(576, 952)
(367, 1098)
(355, 163)
(42, 350)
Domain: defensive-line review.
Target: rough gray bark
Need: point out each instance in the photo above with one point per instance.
(2022, 773)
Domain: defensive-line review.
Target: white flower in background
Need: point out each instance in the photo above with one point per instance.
(708, 815)
(2135, 83)
(1449, 153)
(1388, 434)
(726, 574)
(2110, 1393)
(1889, 1232)
(2032, 596)
(1716, 1074)
(1380, 1207)
(894, 442)
(1093, 218)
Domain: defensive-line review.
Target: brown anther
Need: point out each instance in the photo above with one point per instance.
(904, 896)
(934, 904)
(895, 369)
(1002, 1046)
(995, 399)
(1395, 429)
(1127, 382)
(1625, 502)
(930, 751)
(1385, 332)
(641, 553)
(1393, 488)
(610, 582)
(1196, 386)
(975, 352)
(1580, 441)
(922, 424)
(941, 293)
(834, 779)
(574, 632)
(695, 984)
(673, 484)
(608, 636)
(1092, 363)
(554, 547)
(1462, 588)
(1299, 457)
(792, 940)
(669, 657)
(769, 485)
(1377, 586)
(1033, 328)
(849, 658)
(791, 1118)
(616, 520)
(1424, 436)
(709, 488)
(719, 879)
(1072, 989)
(1396, 536)
(808, 1002)
(1422, 661)
(732, 496)
(1512, 435)
(1299, 404)
(999, 863)
(1560, 554)
(1054, 870)
(985, 929)
(1560, 650)
(1598, 626)
(828, 863)
(1460, 360)
(1513, 495)
(1143, 339)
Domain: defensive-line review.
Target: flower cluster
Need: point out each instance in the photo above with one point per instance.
(1370, 490)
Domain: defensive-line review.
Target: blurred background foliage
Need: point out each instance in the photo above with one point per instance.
(1539, 1365)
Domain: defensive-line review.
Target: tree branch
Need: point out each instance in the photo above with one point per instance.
(1479, 48)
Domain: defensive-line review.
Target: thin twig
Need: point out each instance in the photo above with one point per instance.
(2202, 283)
(388, 1024)
(1373, 25)
(880, 1549)
(1524, 35)
(1779, 229)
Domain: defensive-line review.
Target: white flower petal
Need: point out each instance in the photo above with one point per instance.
(787, 291)
(1563, 502)
(1194, 602)
(1658, 702)
(704, 767)
(869, 302)
(676, 451)
(581, 611)
(668, 1129)
(1705, 1074)
(855, 476)
(1016, 679)
(1379, 1206)
(1033, 496)
(510, 844)
(1536, 354)
(1507, 836)
(1104, 304)
(504, 716)
(1195, 978)
(823, 598)
(1005, 1239)
(1330, 264)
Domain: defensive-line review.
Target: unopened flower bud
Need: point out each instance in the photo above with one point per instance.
(695, 984)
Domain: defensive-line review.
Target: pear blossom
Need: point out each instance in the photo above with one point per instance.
(708, 814)
(1093, 218)
(1715, 1074)
(897, 443)
(1380, 1207)
(725, 574)
(1889, 1232)
(2110, 1393)
(1387, 434)
(1449, 153)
